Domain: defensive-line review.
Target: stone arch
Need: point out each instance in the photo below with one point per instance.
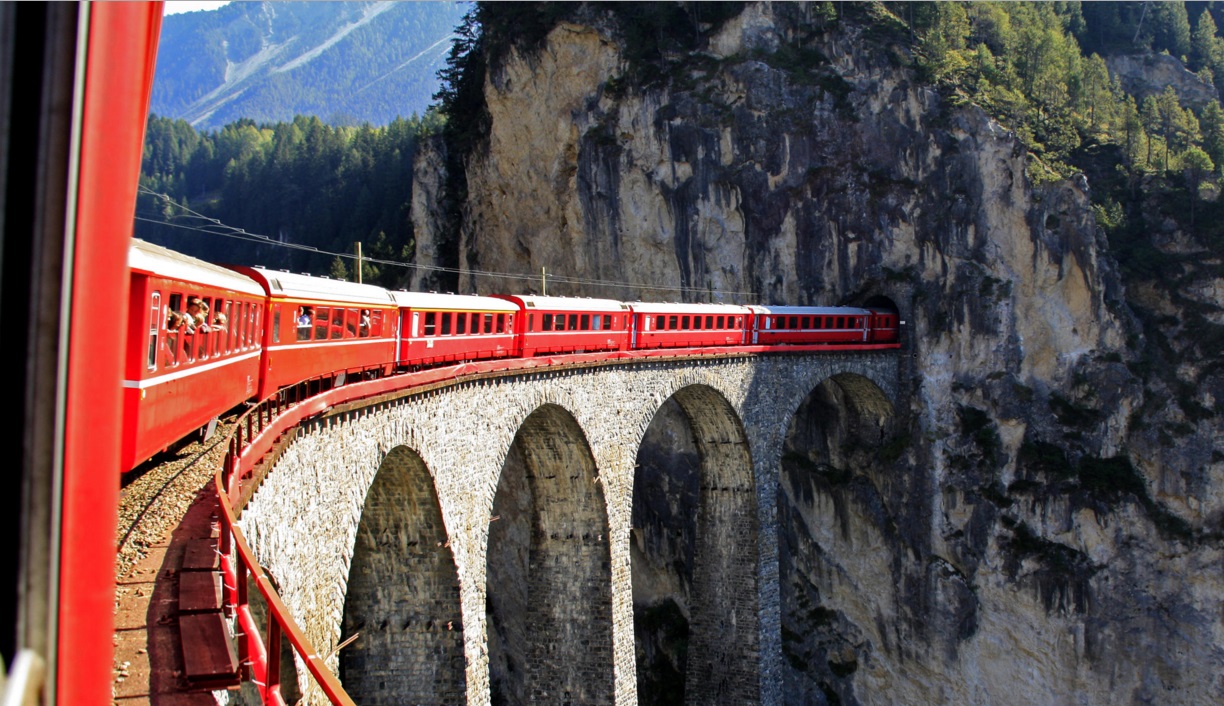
(838, 444)
(694, 554)
(548, 572)
(403, 594)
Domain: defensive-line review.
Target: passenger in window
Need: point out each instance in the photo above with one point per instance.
(304, 320)
(197, 314)
(219, 321)
(365, 323)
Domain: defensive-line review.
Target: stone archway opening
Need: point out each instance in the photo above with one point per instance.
(694, 555)
(879, 301)
(841, 436)
(549, 578)
(403, 594)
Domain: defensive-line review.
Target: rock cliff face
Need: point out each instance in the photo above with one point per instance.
(1019, 531)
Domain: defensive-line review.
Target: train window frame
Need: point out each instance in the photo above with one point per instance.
(684, 323)
(585, 322)
(660, 322)
(431, 324)
(573, 322)
(336, 328)
(322, 319)
(202, 339)
(501, 323)
(720, 322)
(488, 322)
(461, 323)
(673, 322)
(446, 324)
(276, 323)
(596, 322)
(155, 324)
(376, 323)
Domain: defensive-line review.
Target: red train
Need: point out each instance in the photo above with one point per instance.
(202, 339)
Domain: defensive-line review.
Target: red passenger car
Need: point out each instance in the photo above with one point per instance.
(319, 326)
(885, 326)
(799, 325)
(443, 328)
(689, 325)
(193, 347)
(551, 325)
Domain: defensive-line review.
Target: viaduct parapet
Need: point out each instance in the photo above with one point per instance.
(548, 537)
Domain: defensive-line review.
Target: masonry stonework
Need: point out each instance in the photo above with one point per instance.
(306, 521)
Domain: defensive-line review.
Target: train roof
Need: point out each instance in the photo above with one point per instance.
(320, 289)
(810, 310)
(686, 308)
(433, 300)
(155, 260)
(531, 301)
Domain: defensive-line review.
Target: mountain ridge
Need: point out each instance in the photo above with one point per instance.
(270, 61)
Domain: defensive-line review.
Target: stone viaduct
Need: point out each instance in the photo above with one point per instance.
(569, 536)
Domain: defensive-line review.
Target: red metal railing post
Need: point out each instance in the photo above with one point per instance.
(240, 606)
(274, 657)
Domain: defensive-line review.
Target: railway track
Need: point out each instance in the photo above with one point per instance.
(153, 503)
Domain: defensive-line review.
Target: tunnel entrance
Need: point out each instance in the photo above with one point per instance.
(694, 555)
(840, 436)
(549, 578)
(403, 594)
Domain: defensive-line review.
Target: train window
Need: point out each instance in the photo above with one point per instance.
(337, 323)
(322, 315)
(609, 322)
(501, 323)
(547, 323)
(509, 323)
(659, 323)
(376, 323)
(684, 322)
(721, 322)
(276, 323)
(709, 322)
(446, 323)
(488, 323)
(841, 322)
(573, 322)
(597, 322)
(461, 323)
(305, 319)
(351, 322)
(154, 327)
(431, 323)
(586, 322)
(559, 322)
(673, 322)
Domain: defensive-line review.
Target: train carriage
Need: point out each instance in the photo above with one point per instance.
(658, 325)
(558, 325)
(444, 328)
(798, 325)
(193, 347)
(317, 326)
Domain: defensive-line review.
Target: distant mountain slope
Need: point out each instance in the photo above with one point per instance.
(345, 62)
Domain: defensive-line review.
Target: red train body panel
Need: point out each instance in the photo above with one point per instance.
(179, 376)
(444, 328)
(314, 326)
(799, 325)
(689, 325)
(558, 325)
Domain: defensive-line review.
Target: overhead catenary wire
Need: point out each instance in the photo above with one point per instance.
(213, 226)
